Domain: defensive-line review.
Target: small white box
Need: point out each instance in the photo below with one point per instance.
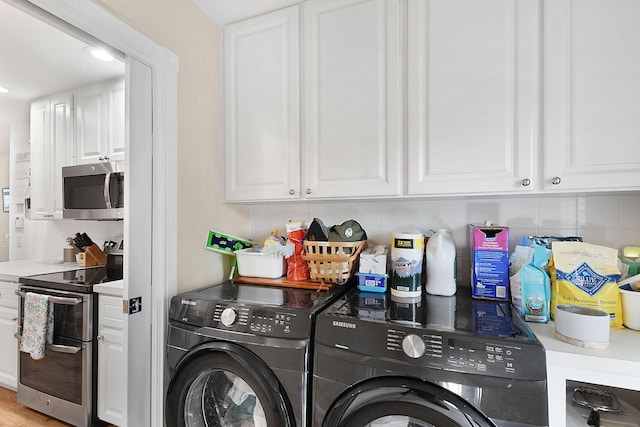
(257, 264)
(374, 260)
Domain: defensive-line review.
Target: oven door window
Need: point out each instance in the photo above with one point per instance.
(60, 373)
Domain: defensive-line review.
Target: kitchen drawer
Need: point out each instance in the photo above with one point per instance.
(8, 297)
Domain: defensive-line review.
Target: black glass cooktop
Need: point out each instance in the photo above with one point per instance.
(81, 280)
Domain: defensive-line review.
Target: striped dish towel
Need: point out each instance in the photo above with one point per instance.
(37, 326)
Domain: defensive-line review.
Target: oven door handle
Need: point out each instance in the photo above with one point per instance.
(56, 300)
(63, 348)
(70, 349)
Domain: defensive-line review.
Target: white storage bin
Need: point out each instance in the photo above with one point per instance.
(257, 264)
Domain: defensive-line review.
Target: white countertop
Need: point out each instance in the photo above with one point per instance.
(618, 365)
(11, 271)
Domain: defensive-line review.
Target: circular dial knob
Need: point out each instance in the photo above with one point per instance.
(413, 346)
(228, 316)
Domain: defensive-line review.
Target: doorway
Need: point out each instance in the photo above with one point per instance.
(151, 204)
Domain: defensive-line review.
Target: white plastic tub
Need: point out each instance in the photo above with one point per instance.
(257, 264)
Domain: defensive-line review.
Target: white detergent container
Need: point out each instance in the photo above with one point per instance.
(441, 264)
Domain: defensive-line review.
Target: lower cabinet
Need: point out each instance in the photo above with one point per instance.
(8, 343)
(111, 372)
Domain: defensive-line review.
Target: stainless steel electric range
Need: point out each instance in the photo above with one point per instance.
(63, 383)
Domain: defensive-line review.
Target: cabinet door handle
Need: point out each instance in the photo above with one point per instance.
(556, 180)
(526, 182)
(292, 191)
(308, 191)
(14, 318)
(99, 337)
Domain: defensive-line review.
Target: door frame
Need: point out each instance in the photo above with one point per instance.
(150, 231)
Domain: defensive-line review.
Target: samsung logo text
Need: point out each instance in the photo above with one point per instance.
(344, 324)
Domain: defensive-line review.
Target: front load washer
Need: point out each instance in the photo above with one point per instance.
(240, 355)
(426, 361)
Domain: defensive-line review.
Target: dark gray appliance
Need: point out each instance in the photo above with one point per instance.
(240, 354)
(63, 383)
(432, 360)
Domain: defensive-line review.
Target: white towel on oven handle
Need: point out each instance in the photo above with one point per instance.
(37, 325)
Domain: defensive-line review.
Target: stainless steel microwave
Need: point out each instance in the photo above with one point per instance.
(93, 191)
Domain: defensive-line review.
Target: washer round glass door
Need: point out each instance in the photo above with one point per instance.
(230, 388)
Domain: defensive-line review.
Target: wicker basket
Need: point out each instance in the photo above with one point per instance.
(332, 262)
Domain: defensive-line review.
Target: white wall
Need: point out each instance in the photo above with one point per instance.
(609, 220)
(184, 29)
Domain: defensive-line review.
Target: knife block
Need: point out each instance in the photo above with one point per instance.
(92, 255)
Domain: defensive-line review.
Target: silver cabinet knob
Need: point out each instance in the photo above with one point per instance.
(14, 319)
(292, 191)
(556, 180)
(413, 346)
(308, 191)
(99, 337)
(526, 182)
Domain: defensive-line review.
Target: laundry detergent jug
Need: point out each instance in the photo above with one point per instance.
(441, 264)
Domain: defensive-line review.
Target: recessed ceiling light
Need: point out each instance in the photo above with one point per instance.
(3, 89)
(98, 53)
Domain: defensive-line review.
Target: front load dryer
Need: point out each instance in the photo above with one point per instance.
(240, 355)
(426, 361)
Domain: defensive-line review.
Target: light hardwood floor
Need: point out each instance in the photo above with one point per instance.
(13, 414)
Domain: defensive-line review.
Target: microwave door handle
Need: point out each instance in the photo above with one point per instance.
(107, 189)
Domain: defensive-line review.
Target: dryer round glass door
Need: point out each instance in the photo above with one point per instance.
(221, 398)
(225, 389)
(403, 402)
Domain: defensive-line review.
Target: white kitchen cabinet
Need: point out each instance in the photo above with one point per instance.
(352, 92)
(51, 128)
(100, 121)
(111, 359)
(262, 107)
(8, 342)
(473, 96)
(592, 96)
(351, 113)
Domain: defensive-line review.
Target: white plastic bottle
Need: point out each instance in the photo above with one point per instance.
(441, 264)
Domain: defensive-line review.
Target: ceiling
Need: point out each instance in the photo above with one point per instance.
(223, 12)
(38, 60)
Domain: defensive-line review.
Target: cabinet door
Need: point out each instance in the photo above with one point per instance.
(90, 124)
(111, 370)
(116, 121)
(40, 182)
(592, 96)
(8, 343)
(261, 107)
(61, 150)
(473, 95)
(352, 98)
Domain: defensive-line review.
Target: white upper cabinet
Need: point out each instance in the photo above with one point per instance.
(100, 118)
(351, 102)
(473, 96)
(51, 128)
(592, 95)
(352, 98)
(262, 107)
